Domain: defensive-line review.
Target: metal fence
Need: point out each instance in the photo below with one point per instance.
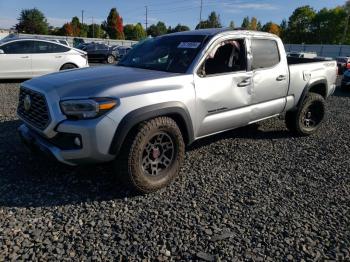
(86, 40)
(321, 50)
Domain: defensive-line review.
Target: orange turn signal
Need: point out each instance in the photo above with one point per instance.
(107, 106)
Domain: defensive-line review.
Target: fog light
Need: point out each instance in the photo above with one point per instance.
(77, 141)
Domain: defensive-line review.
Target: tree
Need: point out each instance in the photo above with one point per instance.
(283, 28)
(300, 25)
(157, 30)
(95, 31)
(232, 25)
(253, 24)
(67, 29)
(178, 28)
(76, 26)
(32, 21)
(114, 25)
(134, 32)
(246, 23)
(272, 28)
(213, 21)
(330, 22)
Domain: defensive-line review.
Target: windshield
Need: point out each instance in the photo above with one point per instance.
(171, 53)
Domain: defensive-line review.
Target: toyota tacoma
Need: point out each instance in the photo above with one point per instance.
(168, 92)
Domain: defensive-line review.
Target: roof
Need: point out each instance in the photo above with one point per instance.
(216, 31)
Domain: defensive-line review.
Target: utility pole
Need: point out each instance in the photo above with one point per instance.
(200, 14)
(146, 17)
(93, 27)
(82, 16)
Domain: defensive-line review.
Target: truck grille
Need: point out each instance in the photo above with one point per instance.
(32, 108)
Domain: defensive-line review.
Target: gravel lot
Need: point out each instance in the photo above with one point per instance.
(256, 193)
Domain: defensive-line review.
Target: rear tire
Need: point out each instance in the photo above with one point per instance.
(309, 117)
(68, 66)
(152, 155)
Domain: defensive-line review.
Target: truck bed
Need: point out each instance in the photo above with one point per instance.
(297, 60)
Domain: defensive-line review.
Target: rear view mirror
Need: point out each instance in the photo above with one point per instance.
(2, 51)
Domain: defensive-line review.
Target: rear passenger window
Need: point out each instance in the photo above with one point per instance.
(45, 47)
(265, 53)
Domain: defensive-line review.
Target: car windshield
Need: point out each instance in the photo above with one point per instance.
(171, 53)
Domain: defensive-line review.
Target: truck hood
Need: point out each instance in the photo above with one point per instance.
(106, 81)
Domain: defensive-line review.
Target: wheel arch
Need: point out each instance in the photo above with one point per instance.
(318, 87)
(175, 110)
(69, 63)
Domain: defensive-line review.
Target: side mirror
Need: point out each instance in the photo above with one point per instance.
(2, 51)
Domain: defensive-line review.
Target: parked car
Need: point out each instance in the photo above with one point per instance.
(61, 41)
(345, 82)
(82, 46)
(142, 112)
(343, 64)
(27, 58)
(122, 51)
(101, 53)
(77, 41)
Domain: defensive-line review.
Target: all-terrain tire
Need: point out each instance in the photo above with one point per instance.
(141, 148)
(308, 118)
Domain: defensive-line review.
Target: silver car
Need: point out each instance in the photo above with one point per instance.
(168, 92)
(27, 58)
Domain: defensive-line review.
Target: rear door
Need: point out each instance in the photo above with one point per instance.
(48, 57)
(270, 77)
(16, 61)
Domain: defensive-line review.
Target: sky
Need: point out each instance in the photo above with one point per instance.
(171, 12)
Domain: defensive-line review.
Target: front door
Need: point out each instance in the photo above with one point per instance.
(223, 88)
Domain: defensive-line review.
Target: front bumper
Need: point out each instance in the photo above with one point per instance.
(95, 137)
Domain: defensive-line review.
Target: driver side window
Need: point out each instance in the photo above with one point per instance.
(228, 56)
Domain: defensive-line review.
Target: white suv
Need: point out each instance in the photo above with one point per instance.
(27, 58)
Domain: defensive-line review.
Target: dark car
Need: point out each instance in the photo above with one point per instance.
(343, 64)
(122, 51)
(101, 53)
(345, 82)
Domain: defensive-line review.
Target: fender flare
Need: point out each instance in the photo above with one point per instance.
(145, 113)
(307, 90)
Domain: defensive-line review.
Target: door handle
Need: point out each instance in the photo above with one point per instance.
(24, 56)
(281, 78)
(245, 82)
(58, 56)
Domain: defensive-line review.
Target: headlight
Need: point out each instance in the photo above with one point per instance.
(87, 108)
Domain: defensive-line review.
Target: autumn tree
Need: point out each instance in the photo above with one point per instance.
(67, 29)
(114, 25)
(32, 21)
(272, 28)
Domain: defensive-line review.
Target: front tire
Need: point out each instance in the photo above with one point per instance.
(110, 59)
(152, 155)
(309, 117)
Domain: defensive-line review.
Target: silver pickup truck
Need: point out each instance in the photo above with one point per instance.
(167, 93)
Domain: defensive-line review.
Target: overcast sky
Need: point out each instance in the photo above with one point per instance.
(171, 12)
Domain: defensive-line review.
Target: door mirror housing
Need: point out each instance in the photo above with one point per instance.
(2, 51)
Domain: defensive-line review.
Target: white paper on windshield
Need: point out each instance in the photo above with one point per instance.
(192, 45)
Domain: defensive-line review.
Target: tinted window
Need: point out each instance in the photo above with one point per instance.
(18, 47)
(101, 47)
(45, 47)
(265, 53)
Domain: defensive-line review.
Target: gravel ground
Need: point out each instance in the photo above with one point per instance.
(256, 193)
